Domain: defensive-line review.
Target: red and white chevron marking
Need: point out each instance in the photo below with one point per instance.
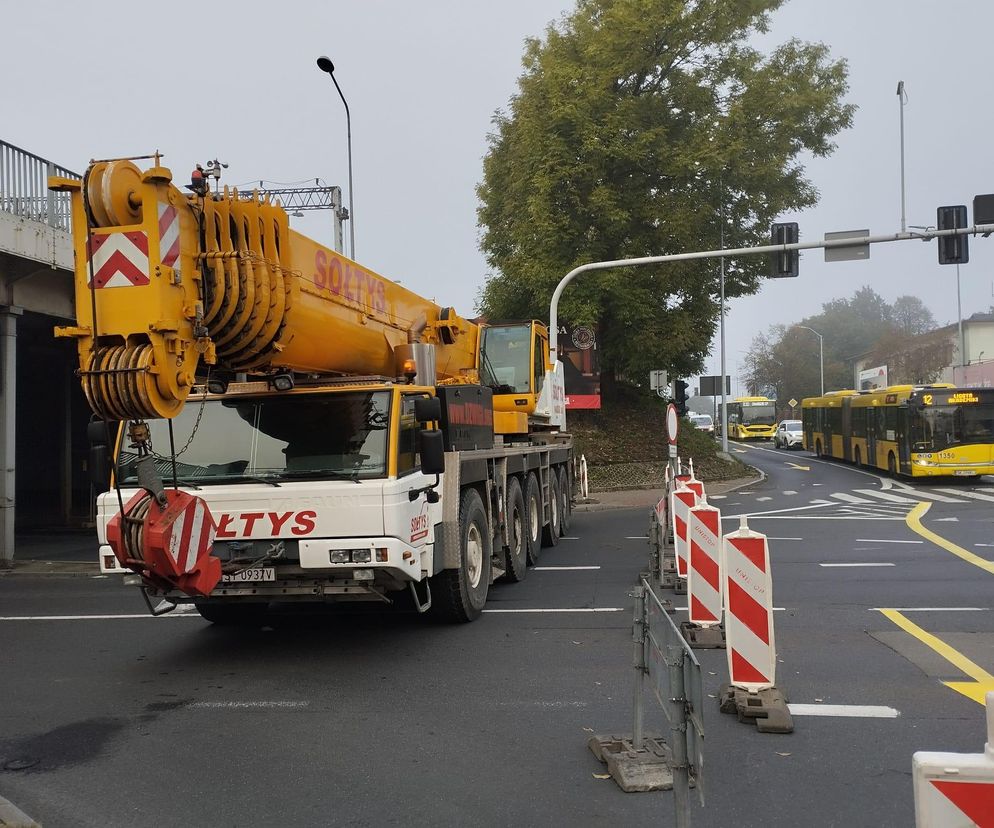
(190, 533)
(119, 259)
(168, 234)
(692, 483)
(682, 500)
(704, 573)
(749, 639)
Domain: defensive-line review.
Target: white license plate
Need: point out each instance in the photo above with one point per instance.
(964, 473)
(256, 573)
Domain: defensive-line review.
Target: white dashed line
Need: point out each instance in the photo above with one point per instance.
(884, 540)
(561, 568)
(563, 609)
(853, 711)
(855, 564)
(974, 495)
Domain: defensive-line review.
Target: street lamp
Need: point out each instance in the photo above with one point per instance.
(325, 65)
(821, 354)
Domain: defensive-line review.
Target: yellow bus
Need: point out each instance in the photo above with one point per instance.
(752, 418)
(915, 431)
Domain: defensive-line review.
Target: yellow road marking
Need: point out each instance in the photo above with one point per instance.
(914, 521)
(802, 468)
(983, 682)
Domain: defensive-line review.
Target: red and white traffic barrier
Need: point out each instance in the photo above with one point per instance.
(752, 655)
(682, 500)
(704, 586)
(953, 789)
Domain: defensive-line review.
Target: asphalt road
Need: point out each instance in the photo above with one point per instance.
(112, 718)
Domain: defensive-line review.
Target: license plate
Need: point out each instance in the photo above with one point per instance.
(964, 473)
(256, 573)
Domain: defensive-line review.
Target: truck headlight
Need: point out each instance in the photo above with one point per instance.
(362, 556)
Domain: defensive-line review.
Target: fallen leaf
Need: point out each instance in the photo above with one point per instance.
(589, 729)
(601, 775)
(782, 754)
(711, 674)
(577, 642)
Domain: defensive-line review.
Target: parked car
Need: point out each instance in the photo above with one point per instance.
(788, 434)
(703, 422)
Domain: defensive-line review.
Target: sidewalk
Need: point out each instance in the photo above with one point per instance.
(647, 498)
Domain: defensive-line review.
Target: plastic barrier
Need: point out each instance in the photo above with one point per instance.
(956, 789)
(751, 646)
(682, 500)
(704, 577)
(584, 485)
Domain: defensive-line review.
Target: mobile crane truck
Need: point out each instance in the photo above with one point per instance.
(281, 424)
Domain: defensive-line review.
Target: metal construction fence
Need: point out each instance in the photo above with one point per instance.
(24, 187)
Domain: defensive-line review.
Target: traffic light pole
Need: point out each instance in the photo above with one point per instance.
(925, 235)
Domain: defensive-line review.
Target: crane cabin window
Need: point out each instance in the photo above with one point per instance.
(506, 358)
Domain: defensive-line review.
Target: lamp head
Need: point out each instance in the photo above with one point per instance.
(325, 64)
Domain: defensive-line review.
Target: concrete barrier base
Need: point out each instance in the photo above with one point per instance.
(703, 638)
(635, 771)
(767, 708)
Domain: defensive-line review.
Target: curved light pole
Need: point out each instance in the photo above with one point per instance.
(325, 65)
(821, 354)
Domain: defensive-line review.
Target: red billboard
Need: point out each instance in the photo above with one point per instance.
(578, 351)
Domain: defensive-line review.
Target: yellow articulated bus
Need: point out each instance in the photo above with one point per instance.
(752, 418)
(914, 431)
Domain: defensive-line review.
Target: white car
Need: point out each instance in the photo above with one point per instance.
(703, 422)
(788, 434)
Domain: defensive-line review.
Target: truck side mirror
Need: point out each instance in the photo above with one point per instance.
(427, 409)
(432, 452)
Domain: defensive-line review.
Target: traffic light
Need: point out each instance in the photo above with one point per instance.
(952, 249)
(680, 397)
(784, 262)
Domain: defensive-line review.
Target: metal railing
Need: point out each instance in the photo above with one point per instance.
(24, 187)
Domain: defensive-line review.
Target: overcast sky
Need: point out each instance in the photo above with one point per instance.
(99, 79)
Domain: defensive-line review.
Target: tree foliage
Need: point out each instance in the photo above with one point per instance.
(635, 124)
(902, 336)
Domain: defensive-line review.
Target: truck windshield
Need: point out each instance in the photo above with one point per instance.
(505, 358)
(273, 438)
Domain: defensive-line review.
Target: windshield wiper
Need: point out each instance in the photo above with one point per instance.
(228, 478)
(334, 474)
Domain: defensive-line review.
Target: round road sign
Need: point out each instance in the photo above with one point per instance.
(671, 423)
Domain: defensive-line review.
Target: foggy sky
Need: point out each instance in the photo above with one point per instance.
(101, 79)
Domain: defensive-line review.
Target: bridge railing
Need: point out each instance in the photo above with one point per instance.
(24, 187)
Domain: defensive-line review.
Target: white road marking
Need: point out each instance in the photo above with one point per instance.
(780, 539)
(94, 617)
(856, 564)
(928, 494)
(984, 544)
(244, 705)
(563, 609)
(775, 609)
(885, 540)
(567, 537)
(947, 520)
(561, 568)
(636, 537)
(848, 498)
(889, 497)
(789, 492)
(779, 511)
(853, 711)
(817, 484)
(717, 497)
(763, 499)
(974, 495)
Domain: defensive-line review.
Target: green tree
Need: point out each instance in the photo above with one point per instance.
(635, 123)
(911, 317)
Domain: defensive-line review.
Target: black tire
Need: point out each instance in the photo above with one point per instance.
(458, 595)
(553, 529)
(533, 513)
(892, 464)
(516, 554)
(566, 512)
(233, 614)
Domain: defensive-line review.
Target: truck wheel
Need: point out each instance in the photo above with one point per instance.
(230, 615)
(458, 595)
(517, 533)
(533, 515)
(552, 530)
(566, 512)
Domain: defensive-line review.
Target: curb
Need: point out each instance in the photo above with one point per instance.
(594, 505)
(74, 569)
(13, 817)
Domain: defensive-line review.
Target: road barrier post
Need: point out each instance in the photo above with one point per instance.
(956, 788)
(751, 692)
(682, 500)
(704, 628)
(584, 485)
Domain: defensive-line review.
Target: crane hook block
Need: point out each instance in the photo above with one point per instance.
(170, 546)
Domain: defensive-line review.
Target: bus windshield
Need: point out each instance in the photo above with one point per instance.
(942, 426)
(758, 413)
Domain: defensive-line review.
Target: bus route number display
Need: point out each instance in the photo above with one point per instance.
(959, 398)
